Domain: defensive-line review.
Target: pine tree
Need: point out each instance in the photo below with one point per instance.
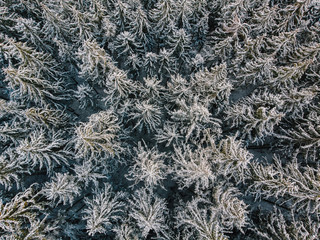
(148, 167)
(293, 14)
(230, 210)
(27, 85)
(212, 86)
(11, 168)
(89, 172)
(146, 115)
(55, 24)
(118, 87)
(12, 132)
(11, 108)
(121, 15)
(162, 17)
(286, 77)
(43, 64)
(303, 138)
(19, 216)
(95, 62)
(278, 227)
(194, 118)
(257, 115)
(304, 52)
(296, 101)
(151, 88)
(165, 60)
(6, 18)
(179, 89)
(201, 223)
(126, 232)
(149, 212)
(169, 133)
(256, 71)
(179, 44)
(140, 26)
(290, 183)
(84, 95)
(98, 136)
(103, 210)
(265, 18)
(83, 24)
(150, 61)
(184, 12)
(193, 167)
(41, 149)
(282, 43)
(61, 189)
(198, 16)
(232, 158)
(236, 29)
(125, 44)
(31, 33)
(46, 116)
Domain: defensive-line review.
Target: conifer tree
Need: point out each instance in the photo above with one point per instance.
(279, 228)
(125, 44)
(18, 217)
(146, 115)
(287, 184)
(11, 168)
(38, 150)
(98, 136)
(61, 189)
(141, 26)
(55, 25)
(149, 213)
(118, 87)
(258, 115)
(158, 119)
(212, 86)
(122, 15)
(287, 76)
(148, 167)
(303, 138)
(202, 222)
(163, 17)
(95, 62)
(102, 210)
(26, 84)
(179, 44)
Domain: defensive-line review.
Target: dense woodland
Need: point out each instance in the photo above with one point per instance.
(159, 119)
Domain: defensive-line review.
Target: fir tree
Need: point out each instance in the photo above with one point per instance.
(102, 210)
(99, 135)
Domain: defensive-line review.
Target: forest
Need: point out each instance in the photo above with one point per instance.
(160, 119)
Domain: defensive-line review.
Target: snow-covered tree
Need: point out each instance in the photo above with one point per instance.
(149, 211)
(148, 167)
(104, 209)
(99, 136)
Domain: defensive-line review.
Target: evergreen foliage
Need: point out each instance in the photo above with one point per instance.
(159, 119)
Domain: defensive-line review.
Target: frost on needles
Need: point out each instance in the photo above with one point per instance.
(159, 119)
